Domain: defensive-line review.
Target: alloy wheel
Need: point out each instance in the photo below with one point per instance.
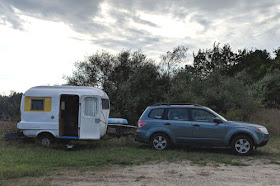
(160, 142)
(242, 146)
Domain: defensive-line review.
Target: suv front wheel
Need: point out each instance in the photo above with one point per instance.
(242, 145)
(160, 141)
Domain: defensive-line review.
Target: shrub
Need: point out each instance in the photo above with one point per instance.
(269, 118)
(7, 127)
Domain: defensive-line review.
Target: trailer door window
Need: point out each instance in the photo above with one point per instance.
(90, 107)
(37, 104)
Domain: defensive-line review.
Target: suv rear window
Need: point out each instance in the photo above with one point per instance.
(156, 113)
(178, 114)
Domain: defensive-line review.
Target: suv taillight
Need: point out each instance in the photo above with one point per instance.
(141, 123)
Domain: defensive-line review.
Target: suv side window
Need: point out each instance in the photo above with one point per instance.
(202, 115)
(178, 114)
(156, 113)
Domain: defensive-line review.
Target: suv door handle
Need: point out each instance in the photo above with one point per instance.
(167, 124)
(196, 125)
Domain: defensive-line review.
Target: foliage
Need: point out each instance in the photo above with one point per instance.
(171, 60)
(219, 92)
(267, 90)
(130, 79)
(236, 82)
(256, 63)
(233, 83)
(269, 118)
(10, 106)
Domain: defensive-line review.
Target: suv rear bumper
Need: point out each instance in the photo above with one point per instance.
(141, 137)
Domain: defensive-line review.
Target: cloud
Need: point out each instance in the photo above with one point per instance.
(148, 24)
(8, 16)
(74, 13)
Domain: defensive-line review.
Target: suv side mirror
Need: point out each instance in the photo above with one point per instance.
(218, 120)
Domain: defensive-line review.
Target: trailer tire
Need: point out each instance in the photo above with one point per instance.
(46, 139)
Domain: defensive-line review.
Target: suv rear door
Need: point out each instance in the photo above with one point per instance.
(178, 124)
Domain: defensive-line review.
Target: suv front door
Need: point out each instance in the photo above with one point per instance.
(205, 130)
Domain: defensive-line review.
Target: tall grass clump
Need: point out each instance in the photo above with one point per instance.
(269, 118)
(7, 127)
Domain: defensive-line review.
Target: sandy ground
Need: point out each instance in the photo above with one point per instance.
(257, 173)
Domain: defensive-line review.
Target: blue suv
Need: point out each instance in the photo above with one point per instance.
(162, 125)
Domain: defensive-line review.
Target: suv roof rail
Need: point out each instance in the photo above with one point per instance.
(168, 104)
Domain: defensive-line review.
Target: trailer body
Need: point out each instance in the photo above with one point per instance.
(66, 112)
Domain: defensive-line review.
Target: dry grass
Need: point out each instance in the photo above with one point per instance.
(7, 126)
(269, 118)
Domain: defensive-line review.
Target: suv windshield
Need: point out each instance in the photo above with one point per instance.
(217, 114)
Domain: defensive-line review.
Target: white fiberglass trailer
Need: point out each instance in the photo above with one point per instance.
(66, 112)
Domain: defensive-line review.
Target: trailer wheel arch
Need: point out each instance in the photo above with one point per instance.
(45, 139)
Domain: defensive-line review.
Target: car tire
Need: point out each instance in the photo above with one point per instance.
(46, 140)
(160, 141)
(242, 145)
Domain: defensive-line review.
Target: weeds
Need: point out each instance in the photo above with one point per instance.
(140, 178)
(20, 159)
(7, 127)
(269, 118)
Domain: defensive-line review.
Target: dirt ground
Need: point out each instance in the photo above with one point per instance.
(258, 173)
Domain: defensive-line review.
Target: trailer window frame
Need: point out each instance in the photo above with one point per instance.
(28, 104)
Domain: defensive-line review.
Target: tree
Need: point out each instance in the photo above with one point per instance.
(173, 59)
(143, 88)
(267, 90)
(256, 63)
(215, 59)
(94, 71)
(10, 106)
(130, 79)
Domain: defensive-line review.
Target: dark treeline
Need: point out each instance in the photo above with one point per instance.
(10, 106)
(235, 84)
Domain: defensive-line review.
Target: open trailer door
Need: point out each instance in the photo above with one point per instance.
(89, 117)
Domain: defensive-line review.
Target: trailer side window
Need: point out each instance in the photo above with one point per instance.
(37, 105)
(90, 107)
(105, 104)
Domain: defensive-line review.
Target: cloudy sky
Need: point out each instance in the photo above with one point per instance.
(41, 39)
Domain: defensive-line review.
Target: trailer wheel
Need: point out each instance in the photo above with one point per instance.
(46, 140)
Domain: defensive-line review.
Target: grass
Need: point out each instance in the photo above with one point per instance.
(269, 118)
(19, 159)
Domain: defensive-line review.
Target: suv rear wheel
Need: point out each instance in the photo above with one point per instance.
(160, 141)
(242, 145)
